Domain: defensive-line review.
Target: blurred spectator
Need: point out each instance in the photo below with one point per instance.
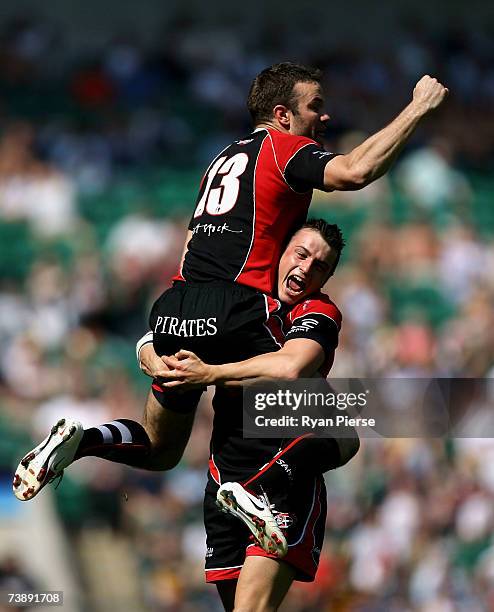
(138, 246)
(31, 189)
(429, 179)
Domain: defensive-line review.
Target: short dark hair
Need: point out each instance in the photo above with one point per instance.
(332, 235)
(274, 85)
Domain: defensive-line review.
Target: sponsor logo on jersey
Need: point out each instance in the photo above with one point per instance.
(304, 326)
(186, 328)
(209, 552)
(321, 154)
(210, 228)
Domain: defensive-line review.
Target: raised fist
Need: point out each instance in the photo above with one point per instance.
(429, 93)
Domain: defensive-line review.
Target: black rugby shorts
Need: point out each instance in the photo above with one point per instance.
(301, 516)
(220, 321)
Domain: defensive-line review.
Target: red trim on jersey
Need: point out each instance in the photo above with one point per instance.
(278, 209)
(157, 387)
(214, 471)
(178, 276)
(215, 575)
(275, 458)
(317, 304)
(286, 146)
(273, 304)
(274, 326)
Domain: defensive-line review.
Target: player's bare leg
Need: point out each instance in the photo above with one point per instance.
(263, 584)
(168, 431)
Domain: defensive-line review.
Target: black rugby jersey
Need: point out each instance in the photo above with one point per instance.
(233, 457)
(254, 194)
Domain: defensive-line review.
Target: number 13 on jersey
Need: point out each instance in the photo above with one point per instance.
(220, 200)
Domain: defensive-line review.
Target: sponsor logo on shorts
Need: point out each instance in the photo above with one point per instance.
(186, 328)
(284, 520)
(285, 466)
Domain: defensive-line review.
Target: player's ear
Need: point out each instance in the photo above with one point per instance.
(282, 115)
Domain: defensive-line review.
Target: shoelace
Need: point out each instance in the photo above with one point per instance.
(265, 500)
(276, 513)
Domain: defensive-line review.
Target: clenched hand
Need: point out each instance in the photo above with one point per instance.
(429, 93)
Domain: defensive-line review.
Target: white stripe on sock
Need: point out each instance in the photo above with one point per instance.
(107, 434)
(124, 431)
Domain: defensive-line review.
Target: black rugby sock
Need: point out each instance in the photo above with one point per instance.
(121, 441)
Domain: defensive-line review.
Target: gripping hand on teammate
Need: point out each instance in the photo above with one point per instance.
(186, 368)
(150, 363)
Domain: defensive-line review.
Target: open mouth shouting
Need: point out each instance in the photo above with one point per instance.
(295, 285)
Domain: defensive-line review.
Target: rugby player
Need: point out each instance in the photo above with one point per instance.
(284, 475)
(252, 196)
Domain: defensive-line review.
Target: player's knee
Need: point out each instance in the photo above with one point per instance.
(164, 459)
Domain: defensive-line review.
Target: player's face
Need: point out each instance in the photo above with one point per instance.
(304, 266)
(310, 119)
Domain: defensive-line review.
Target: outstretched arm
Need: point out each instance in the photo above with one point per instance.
(298, 358)
(374, 156)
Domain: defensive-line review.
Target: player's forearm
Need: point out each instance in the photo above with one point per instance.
(375, 155)
(272, 366)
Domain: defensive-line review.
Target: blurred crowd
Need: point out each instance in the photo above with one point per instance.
(180, 97)
(410, 522)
